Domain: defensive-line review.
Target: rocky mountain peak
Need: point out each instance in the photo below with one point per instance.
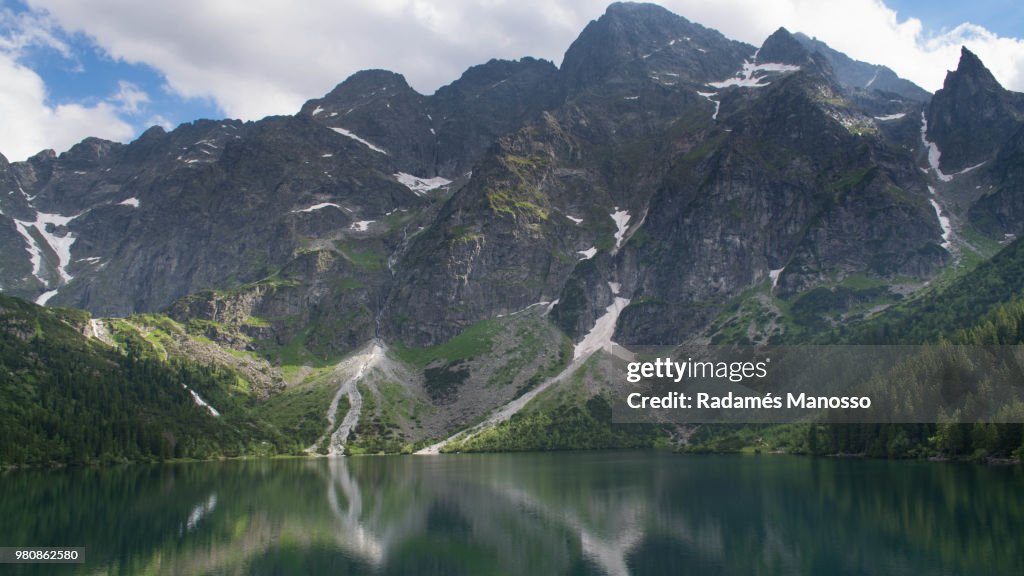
(635, 42)
(970, 69)
(360, 86)
(783, 48)
(372, 79)
(972, 115)
(90, 150)
(486, 76)
(625, 32)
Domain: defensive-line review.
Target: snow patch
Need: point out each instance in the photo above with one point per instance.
(575, 220)
(748, 78)
(326, 155)
(630, 97)
(774, 275)
(600, 336)
(615, 287)
(621, 218)
(535, 304)
(588, 253)
(420, 186)
(344, 132)
(317, 110)
(872, 81)
(718, 104)
(933, 151)
(45, 297)
(60, 245)
(133, 202)
(889, 117)
(947, 229)
(320, 206)
(362, 225)
(968, 169)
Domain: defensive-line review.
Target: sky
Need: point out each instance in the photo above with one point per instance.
(112, 68)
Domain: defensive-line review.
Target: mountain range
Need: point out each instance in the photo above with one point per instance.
(385, 268)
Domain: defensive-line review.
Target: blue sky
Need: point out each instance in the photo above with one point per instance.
(89, 75)
(112, 68)
(1004, 17)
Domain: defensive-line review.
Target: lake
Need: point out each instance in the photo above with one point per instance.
(642, 512)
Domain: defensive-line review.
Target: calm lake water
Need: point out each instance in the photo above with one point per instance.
(563, 513)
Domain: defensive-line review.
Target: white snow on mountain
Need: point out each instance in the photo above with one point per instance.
(934, 155)
(320, 206)
(621, 218)
(418, 185)
(749, 76)
(344, 132)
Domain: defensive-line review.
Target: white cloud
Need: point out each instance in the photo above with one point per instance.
(866, 30)
(161, 121)
(25, 29)
(259, 57)
(129, 98)
(28, 124)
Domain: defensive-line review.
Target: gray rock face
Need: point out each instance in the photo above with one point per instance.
(662, 163)
(972, 116)
(1000, 210)
(632, 43)
(442, 134)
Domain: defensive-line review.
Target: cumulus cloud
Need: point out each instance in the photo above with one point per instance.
(129, 98)
(26, 29)
(866, 30)
(260, 57)
(28, 123)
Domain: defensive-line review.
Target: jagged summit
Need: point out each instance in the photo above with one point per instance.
(972, 76)
(972, 115)
(782, 47)
(972, 67)
(630, 40)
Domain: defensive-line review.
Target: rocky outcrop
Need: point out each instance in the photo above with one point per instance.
(972, 116)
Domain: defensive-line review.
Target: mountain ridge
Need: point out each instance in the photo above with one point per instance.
(665, 185)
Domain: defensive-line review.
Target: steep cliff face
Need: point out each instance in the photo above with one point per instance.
(445, 133)
(972, 116)
(999, 211)
(118, 229)
(793, 200)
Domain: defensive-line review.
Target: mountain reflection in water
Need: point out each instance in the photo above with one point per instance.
(563, 513)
